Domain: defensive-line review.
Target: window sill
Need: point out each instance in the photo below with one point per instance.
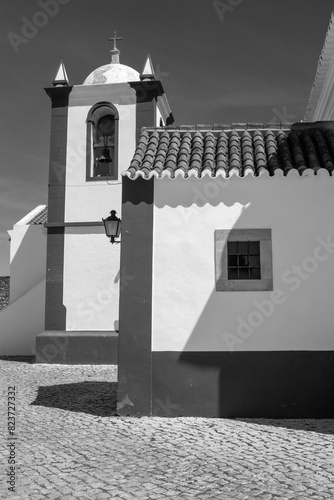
(102, 178)
(244, 285)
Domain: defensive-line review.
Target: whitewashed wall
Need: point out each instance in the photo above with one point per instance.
(91, 279)
(25, 315)
(27, 257)
(89, 201)
(158, 116)
(91, 263)
(188, 314)
(21, 320)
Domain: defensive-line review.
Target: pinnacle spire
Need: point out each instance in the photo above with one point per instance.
(148, 70)
(61, 76)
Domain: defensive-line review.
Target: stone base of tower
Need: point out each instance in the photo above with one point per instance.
(77, 347)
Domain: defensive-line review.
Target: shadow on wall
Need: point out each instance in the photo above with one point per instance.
(21, 320)
(94, 398)
(28, 266)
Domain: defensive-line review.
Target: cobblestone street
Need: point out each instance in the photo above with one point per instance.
(71, 445)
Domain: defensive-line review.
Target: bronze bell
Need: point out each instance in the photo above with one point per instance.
(105, 156)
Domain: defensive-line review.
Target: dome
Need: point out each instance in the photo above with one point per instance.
(112, 73)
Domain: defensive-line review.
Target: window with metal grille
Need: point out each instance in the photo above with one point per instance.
(243, 260)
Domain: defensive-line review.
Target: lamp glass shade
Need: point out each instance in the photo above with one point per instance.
(112, 227)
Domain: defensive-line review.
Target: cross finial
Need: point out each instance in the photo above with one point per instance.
(114, 38)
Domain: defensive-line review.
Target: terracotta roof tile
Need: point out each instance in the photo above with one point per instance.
(234, 149)
(40, 218)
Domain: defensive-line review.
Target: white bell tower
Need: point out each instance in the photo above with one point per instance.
(94, 131)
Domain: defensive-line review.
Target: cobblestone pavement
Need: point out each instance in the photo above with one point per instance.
(71, 445)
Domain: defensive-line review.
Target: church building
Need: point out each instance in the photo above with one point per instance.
(214, 294)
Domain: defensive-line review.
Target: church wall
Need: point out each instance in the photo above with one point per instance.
(91, 263)
(135, 313)
(91, 200)
(91, 279)
(183, 364)
(242, 354)
(54, 309)
(190, 315)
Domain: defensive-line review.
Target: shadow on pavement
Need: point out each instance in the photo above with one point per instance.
(95, 398)
(321, 425)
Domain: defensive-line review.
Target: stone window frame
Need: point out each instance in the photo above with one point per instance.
(223, 284)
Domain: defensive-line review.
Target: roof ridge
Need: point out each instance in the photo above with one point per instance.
(222, 126)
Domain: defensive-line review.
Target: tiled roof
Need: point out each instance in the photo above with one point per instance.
(40, 218)
(303, 148)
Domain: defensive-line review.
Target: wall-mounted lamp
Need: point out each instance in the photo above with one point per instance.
(112, 226)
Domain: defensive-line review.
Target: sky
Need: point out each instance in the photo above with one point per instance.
(220, 61)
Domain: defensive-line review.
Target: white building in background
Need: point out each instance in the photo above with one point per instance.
(25, 314)
(321, 102)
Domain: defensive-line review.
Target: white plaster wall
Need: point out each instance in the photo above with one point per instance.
(21, 320)
(158, 116)
(92, 200)
(24, 317)
(91, 279)
(27, 258)
(188, 314)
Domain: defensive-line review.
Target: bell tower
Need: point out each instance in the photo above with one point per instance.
(94, 131)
